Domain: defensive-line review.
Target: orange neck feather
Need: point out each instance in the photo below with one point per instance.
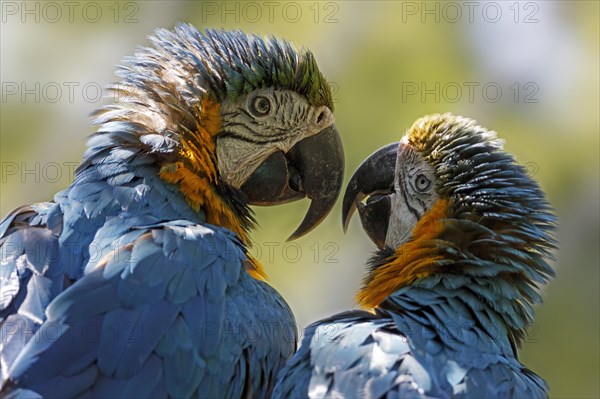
(410, 261)
(196, 176)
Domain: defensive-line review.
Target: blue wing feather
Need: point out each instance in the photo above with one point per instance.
(393, 354)
(130, 335)
(30, 275)
(115, 296)
(170, 302)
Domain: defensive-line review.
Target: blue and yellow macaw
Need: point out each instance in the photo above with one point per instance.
(135, 281)
(463, 235)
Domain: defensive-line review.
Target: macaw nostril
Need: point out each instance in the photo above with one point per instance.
(320, 117)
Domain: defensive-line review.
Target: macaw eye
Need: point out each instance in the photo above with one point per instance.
(260, 106)
(422, 183)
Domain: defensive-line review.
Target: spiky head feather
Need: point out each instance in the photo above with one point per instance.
(229, 64)
(485, 184)
(494, 235)
(167, 106)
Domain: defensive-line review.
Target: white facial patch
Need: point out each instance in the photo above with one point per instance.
(414, 194)
(261, 123)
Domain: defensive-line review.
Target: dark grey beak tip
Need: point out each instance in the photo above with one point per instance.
(320, 160)
(313, 168)
(352, 198)
(348, 215)
(374, 174)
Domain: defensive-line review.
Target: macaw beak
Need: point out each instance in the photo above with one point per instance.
(374, 178)
(312, 168)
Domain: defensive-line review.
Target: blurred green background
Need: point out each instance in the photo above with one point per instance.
(529, 70)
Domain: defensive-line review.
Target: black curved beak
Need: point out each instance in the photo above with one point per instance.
(313, 168)
(374, 178)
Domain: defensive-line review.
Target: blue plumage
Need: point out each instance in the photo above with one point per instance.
(154, 307)
(396, 353)
(121, 287)
(460, 265)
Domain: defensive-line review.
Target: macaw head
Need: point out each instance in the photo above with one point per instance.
(231, 120)
(446, 205)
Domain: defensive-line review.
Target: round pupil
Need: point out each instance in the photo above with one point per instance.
(261, 105)
(422, 182)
